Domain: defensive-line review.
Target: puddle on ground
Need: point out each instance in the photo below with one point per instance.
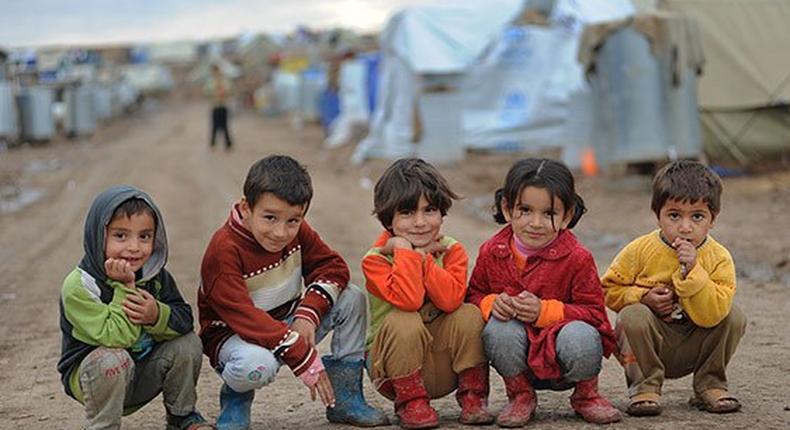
(14, 198)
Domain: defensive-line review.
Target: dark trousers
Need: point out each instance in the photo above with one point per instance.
(219, 121)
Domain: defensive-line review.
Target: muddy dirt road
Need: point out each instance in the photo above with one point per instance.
(163, 150)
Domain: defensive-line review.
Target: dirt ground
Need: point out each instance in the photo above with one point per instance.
(163, 149)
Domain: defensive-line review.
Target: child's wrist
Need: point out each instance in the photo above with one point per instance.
(310, 376)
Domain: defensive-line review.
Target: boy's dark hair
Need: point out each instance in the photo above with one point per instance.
(544, 173)
(400, 186)
(131, 207)
(686, 181)
(282, 176)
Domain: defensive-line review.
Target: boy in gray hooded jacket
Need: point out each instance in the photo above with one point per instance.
(127, 332)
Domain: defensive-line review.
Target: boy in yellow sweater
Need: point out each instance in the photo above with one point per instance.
(673, 289)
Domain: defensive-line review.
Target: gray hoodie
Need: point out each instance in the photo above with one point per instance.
(91, 304)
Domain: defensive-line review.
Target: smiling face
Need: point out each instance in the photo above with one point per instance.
(533, 219)
(131, 238)
(272, 221)
(419, 226)
(688, 221)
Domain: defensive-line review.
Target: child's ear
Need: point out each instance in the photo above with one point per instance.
(567, 218)
(245, 208)
(505, 208)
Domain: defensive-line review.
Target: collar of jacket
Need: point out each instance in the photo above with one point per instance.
(559, 248)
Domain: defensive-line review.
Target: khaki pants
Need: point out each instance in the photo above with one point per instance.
(442, 348)
(651, 349)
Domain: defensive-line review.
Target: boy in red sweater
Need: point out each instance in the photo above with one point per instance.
(255, 314)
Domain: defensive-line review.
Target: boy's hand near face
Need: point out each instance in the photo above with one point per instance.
(119, 270)
(659, 300)
(305, 329)
(527, 306)
(687, 253)
(395, 242)
(141, 308)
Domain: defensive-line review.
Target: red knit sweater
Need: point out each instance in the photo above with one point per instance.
(249, 291)
(564, 271)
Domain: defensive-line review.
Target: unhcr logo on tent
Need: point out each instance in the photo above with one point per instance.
(514, 109)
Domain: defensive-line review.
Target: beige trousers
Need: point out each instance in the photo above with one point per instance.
(442, 348)
(651, 349)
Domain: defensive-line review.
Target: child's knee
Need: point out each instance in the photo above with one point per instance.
(498, 334)
(254, 370)
(579, 351)
(635, 318)
(736, 320)
(404, 328)
(108, 365)
(467, 319)
(352, 297)
(185, 349)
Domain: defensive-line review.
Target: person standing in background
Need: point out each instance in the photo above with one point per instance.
(219, 89)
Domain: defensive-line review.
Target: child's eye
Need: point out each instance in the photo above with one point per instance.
(119, 236)
(431, 209)
(673, 216)
(293, 221)
(698, 217)
(270, 218)
(406, 212)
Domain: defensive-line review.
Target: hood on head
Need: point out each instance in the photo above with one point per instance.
(99, 215)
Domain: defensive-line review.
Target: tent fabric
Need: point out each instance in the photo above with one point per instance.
(433, 47)
(745, 44)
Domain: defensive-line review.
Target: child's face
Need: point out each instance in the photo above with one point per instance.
(131, 239)
(688, 221)
(420, 226)
(272, 221)
(532, 216)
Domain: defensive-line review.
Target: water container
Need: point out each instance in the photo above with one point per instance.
(80, 118)
(440, 114)
(8, 114)
(102, 102)
(35, 111)
(629, 118)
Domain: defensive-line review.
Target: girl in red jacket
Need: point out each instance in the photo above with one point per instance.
(538, 290)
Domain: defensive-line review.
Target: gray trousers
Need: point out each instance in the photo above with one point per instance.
(245, 366)
(113, 384)
(579, 350)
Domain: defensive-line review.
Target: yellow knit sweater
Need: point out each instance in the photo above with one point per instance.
(648, 262)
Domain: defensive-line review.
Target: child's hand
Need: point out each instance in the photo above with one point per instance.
(432, 248)
(120, 270)
(324, 389)
(503, 308)
(527, 306)
(687, 253)
(305, 329)
(659, 300)
(395, 242)
(141, 308)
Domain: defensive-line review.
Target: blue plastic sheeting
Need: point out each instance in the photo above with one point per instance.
(329, 106)
(372, 61)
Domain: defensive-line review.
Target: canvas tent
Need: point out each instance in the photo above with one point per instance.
(745, 90)
(476, 76)
(421, 47)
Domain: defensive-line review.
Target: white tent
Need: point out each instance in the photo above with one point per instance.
(420, 43)
(501, 85)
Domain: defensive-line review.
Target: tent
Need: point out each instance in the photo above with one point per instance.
(425, 48)
(745, 90)
(476, 77)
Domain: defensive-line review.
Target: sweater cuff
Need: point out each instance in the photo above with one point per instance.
(160, 326)
(487, 305)
(310, 376)
(695, 281)
(551, 311)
